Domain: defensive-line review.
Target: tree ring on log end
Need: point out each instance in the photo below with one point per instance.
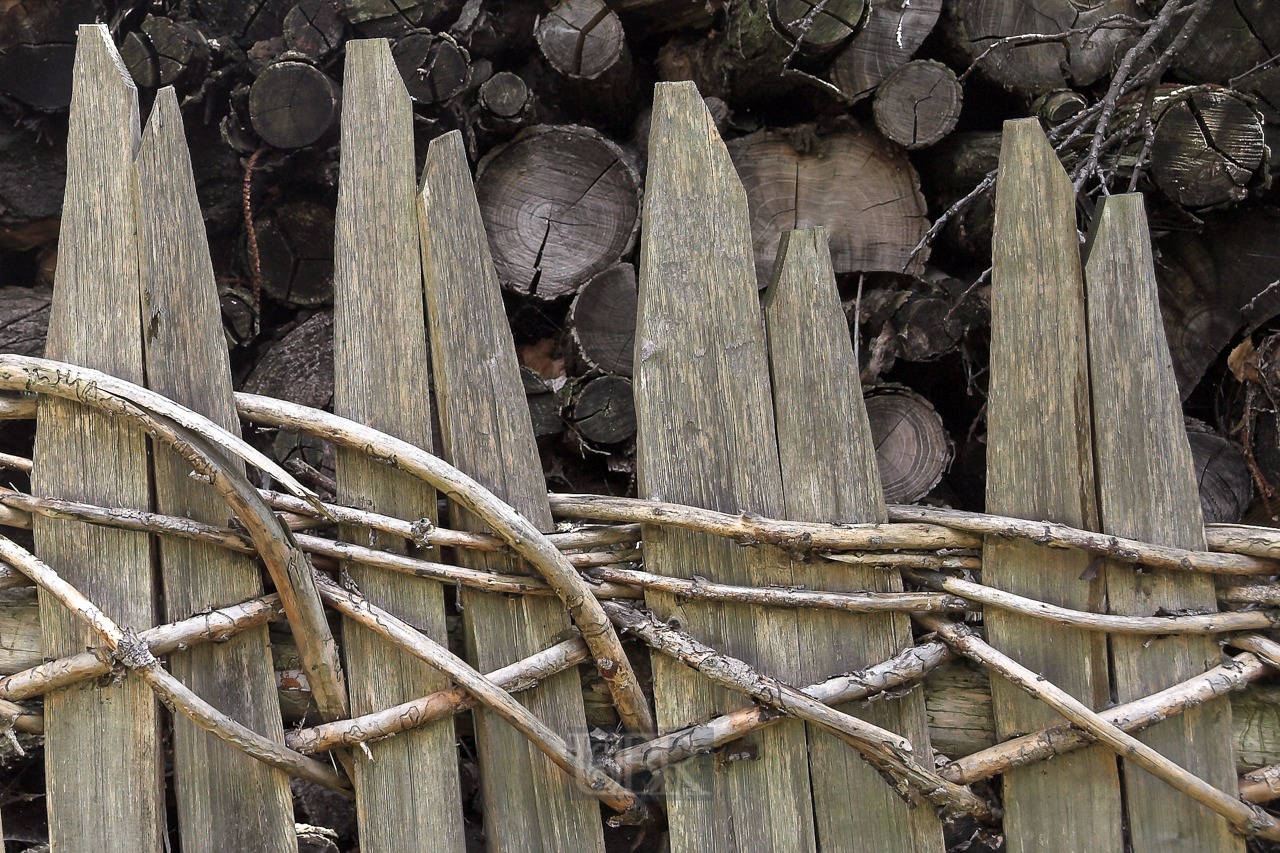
(605, 412)
(857, 185)
(292, 104)
(603, 320)
(818, 25)
(913, 449)
(1226, 487)
(560, 204)
(581, 38)
(1207, 148)
(919, 104)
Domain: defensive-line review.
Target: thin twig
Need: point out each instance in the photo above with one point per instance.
(889, 753)
(907, 667)
(251, 234)
(127, 647)
(1132, 717)
(1246, 819)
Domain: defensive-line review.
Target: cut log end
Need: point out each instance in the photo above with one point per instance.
(918, 104)
(913, 449)
(603, 319)
(560, 204)
(293, 104)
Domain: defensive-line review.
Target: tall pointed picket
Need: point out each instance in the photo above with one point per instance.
(97, 735)
(1147, 490)
(1040, 466)
(829, 473)
(706, 438)
(227, 801)
(407, 788)
(529, 804)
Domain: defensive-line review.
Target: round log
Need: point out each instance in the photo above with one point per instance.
(505, 103)
(249, 21)
(434, 68)
(314, 27)
(37, 49)
(182, 53)
(544, 404)
(1226, 487)
(605, 411)
(293, 104)
(24, 319)
(140, 58)
(893, 30)
(560, 204)
(1036, 68)
(33, 175)
(603, 320)
(818, 27)
(1215, 285)
(1231, 39)
(1208, 147)
(584, 43)
(494, 28)
(913, 449)
(295, 247)
(856, 184)
(1055, 107)
(299, 366)
(918, 104)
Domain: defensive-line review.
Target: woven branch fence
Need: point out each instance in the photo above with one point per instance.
(769, 626)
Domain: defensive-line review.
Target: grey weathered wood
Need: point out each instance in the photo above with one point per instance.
(1147, 490)
(98, 736)
(529, 804)
(227, 801)
(1040, 466)
(829, 472)
(706, 438)
(380, 379)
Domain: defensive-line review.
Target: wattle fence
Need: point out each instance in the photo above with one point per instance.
(760, 569)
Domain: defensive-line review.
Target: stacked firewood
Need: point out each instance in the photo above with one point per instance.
(879, 119)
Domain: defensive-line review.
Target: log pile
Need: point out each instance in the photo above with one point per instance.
(876, 119)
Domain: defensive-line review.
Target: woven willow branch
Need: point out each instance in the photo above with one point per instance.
(126, 647)
(1247, 819)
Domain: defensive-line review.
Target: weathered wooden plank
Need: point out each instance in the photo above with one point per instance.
(706, 438)
(1147, 490)
(529, 804)
(380, 379)
(98, 735)
(1040, 466)
(829, 473)
(227, 801)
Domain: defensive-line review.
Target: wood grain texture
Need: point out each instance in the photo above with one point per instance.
(529, 804)
(227, 801)
(380, 379)
(1040, 466)
(829, 472)
(706, 438)
(98, 736)
(1147, 489)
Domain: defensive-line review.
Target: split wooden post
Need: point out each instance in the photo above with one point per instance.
(380, 379)
(227, 800)
(829, 473)
(706, 438)
(101, 743)
(1147, 490)
(529, 803)
(1040, 466)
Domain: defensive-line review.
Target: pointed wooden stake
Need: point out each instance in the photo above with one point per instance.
(227, 801)
(380, 379)
(1147, 490)
(1040, 466)
(101, 746)
(529, 804)
(706, 438)
(829, 474)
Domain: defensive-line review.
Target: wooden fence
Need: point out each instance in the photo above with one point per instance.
(768, 559)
